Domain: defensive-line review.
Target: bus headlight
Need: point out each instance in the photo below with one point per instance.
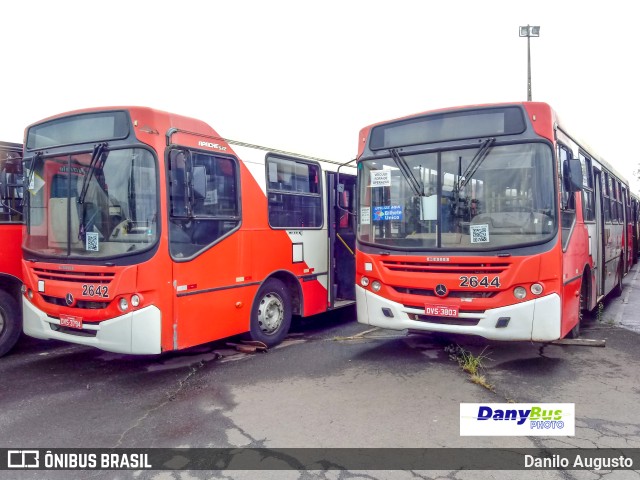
(135, 300)
(536, 289)
(30, 294)
(520, 292)
(364, 281)
(376, 286)
(123, 304)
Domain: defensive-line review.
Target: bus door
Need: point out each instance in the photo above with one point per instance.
(342, 238)
(598, 255)
(211, 278)
(634, 228)
(625, 232)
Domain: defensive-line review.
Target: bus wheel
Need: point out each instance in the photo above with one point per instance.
(575, 331)
(271, 313)
(10, 325)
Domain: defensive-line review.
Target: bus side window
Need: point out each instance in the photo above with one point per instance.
(293, 192)
(605, 197)
(11, 196)
(205, 204)
(568, 198)
(177, 176)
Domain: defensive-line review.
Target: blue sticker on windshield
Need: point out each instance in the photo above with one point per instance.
(390, 212)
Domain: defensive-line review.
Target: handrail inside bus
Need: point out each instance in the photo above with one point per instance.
(340, 207)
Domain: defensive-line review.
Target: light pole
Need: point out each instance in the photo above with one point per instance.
(529, 31)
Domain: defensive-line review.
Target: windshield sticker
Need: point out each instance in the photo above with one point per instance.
(91, 242)
(479, 233)
(381, 178)
(35, 182)
(391, 212)
(211, 197)
(365, 215)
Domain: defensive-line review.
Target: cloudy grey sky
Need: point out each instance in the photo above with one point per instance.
(305, 76)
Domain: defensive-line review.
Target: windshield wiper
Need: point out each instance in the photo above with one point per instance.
(97, 156)
(32, 167)
(416, 186)
(477, 160)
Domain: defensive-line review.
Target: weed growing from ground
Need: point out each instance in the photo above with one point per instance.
(470, 363)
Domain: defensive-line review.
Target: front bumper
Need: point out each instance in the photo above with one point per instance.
(137, 332)
(537, 320)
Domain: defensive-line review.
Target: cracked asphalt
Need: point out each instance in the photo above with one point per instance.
(333, 383)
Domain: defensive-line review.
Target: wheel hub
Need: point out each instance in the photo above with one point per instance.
(270, 313)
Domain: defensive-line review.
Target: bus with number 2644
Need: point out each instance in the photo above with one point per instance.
(488, 220)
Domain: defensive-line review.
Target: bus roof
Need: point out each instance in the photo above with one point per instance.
(10, 146)
(540, 105)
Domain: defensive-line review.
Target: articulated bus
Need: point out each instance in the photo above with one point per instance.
(147, 232)
(11, 201)
(486, 220)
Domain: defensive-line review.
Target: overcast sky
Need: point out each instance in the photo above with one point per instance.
(306, 76)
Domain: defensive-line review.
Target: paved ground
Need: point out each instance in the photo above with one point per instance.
(625, 311)
(327, 386)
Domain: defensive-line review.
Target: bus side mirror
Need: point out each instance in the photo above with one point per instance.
(573, 174)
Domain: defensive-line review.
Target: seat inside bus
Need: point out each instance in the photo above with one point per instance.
(57, 221)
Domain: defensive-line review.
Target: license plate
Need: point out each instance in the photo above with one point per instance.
(441, 310)
(70, 321)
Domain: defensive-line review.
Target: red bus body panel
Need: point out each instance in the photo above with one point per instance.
(11, 255)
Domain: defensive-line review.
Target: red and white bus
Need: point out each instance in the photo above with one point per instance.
(147, 232)
(11, 201)
(634, 223)
(486, 220)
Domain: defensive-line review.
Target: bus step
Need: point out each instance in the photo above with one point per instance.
(584, 342)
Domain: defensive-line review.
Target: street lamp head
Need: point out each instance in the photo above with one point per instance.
(530, 31)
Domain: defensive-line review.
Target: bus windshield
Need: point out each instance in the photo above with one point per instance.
(484, 198)
(93, 205)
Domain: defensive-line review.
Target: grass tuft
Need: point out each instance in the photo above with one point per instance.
(470, 363)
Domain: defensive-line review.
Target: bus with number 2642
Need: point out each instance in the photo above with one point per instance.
(146, 232)
(488, 220)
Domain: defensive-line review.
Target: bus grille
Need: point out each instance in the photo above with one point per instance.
(427, 292)
(86, 304)
(443, 268)
(74, 276)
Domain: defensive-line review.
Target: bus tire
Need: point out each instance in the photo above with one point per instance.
(271, 313)
(10, 322)
(582, 301)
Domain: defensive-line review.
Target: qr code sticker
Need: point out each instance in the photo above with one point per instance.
(479, 233)
(92, 242)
